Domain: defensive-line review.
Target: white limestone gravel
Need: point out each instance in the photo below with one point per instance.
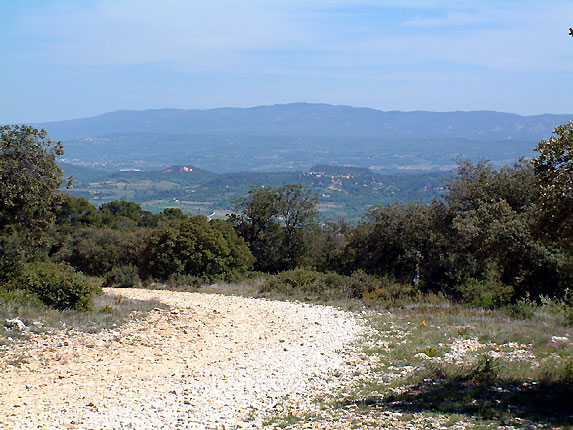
(210, 361)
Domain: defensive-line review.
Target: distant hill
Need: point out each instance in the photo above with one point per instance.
(316, 120)
(297, 136)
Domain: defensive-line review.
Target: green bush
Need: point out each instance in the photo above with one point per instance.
(310, 284)
(568, 315)
(360, 283)
(206, 249)
(306, 282)
(56, 284)
(392, 292)
(18, 297)
(11, 257)
(523, 309)
(487, 294)
(178, 280)
(96, 251)
(122, 277)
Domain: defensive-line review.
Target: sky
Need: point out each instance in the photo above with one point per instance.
(64, 59)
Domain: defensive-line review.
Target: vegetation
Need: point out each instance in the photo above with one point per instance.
(455, 363)
(275, 223)
(498, 236)
(57, 285)
(487, 230)
(30, 178)
(29, 197)
(553, 170)
(198, 247)
(344, 191)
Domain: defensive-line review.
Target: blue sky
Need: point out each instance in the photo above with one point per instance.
(71, 59)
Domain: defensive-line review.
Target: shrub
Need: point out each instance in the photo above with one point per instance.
(306, 282)
(568, 315)
(56, 284)
(392, 292)
(360, 283)
(178, 280)
(96, 251)
(18, 297)
(11, 257)
(487, 294)
(122, 277)
(197, 247)
(523, 309)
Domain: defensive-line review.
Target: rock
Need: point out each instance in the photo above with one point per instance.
(15, 324)
(559, 339)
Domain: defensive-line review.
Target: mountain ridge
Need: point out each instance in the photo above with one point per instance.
(312, 119)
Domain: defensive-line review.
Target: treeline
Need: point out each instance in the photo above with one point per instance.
(498, 235)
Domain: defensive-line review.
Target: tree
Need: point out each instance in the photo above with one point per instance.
(553, 167)
(126, 214)
(273, 222)
(255, 221)
(297, 208)
(209, 250)
(399, 240)
(96, 250)
(77, 212)
(476, 184)
(255, 212)
(30, 178)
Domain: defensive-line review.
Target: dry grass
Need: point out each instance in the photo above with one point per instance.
(488, 368)
(107, 312)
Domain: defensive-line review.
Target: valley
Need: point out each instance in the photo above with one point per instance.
(344, 192)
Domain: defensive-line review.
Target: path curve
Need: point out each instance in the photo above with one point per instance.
(209, 361)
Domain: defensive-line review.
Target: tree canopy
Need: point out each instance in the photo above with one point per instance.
(273, 222)
(553, 168)
(30, 178)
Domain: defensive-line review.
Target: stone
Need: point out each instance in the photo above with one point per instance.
(15, 324)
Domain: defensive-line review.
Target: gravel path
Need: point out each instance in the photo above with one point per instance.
(210, 361)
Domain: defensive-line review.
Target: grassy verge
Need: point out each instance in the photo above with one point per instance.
(458, 363)
(107, 312)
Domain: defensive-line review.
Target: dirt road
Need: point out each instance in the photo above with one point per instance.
(209, 361)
